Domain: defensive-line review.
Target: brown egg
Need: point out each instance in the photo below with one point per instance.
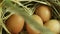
(15, 23)
(13, 33)
(53, 25)
(32, 30)
(44, 12)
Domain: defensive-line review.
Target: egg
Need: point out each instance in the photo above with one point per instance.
(44, 12)
(15, 23)
(32, 30)
(53, 25)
